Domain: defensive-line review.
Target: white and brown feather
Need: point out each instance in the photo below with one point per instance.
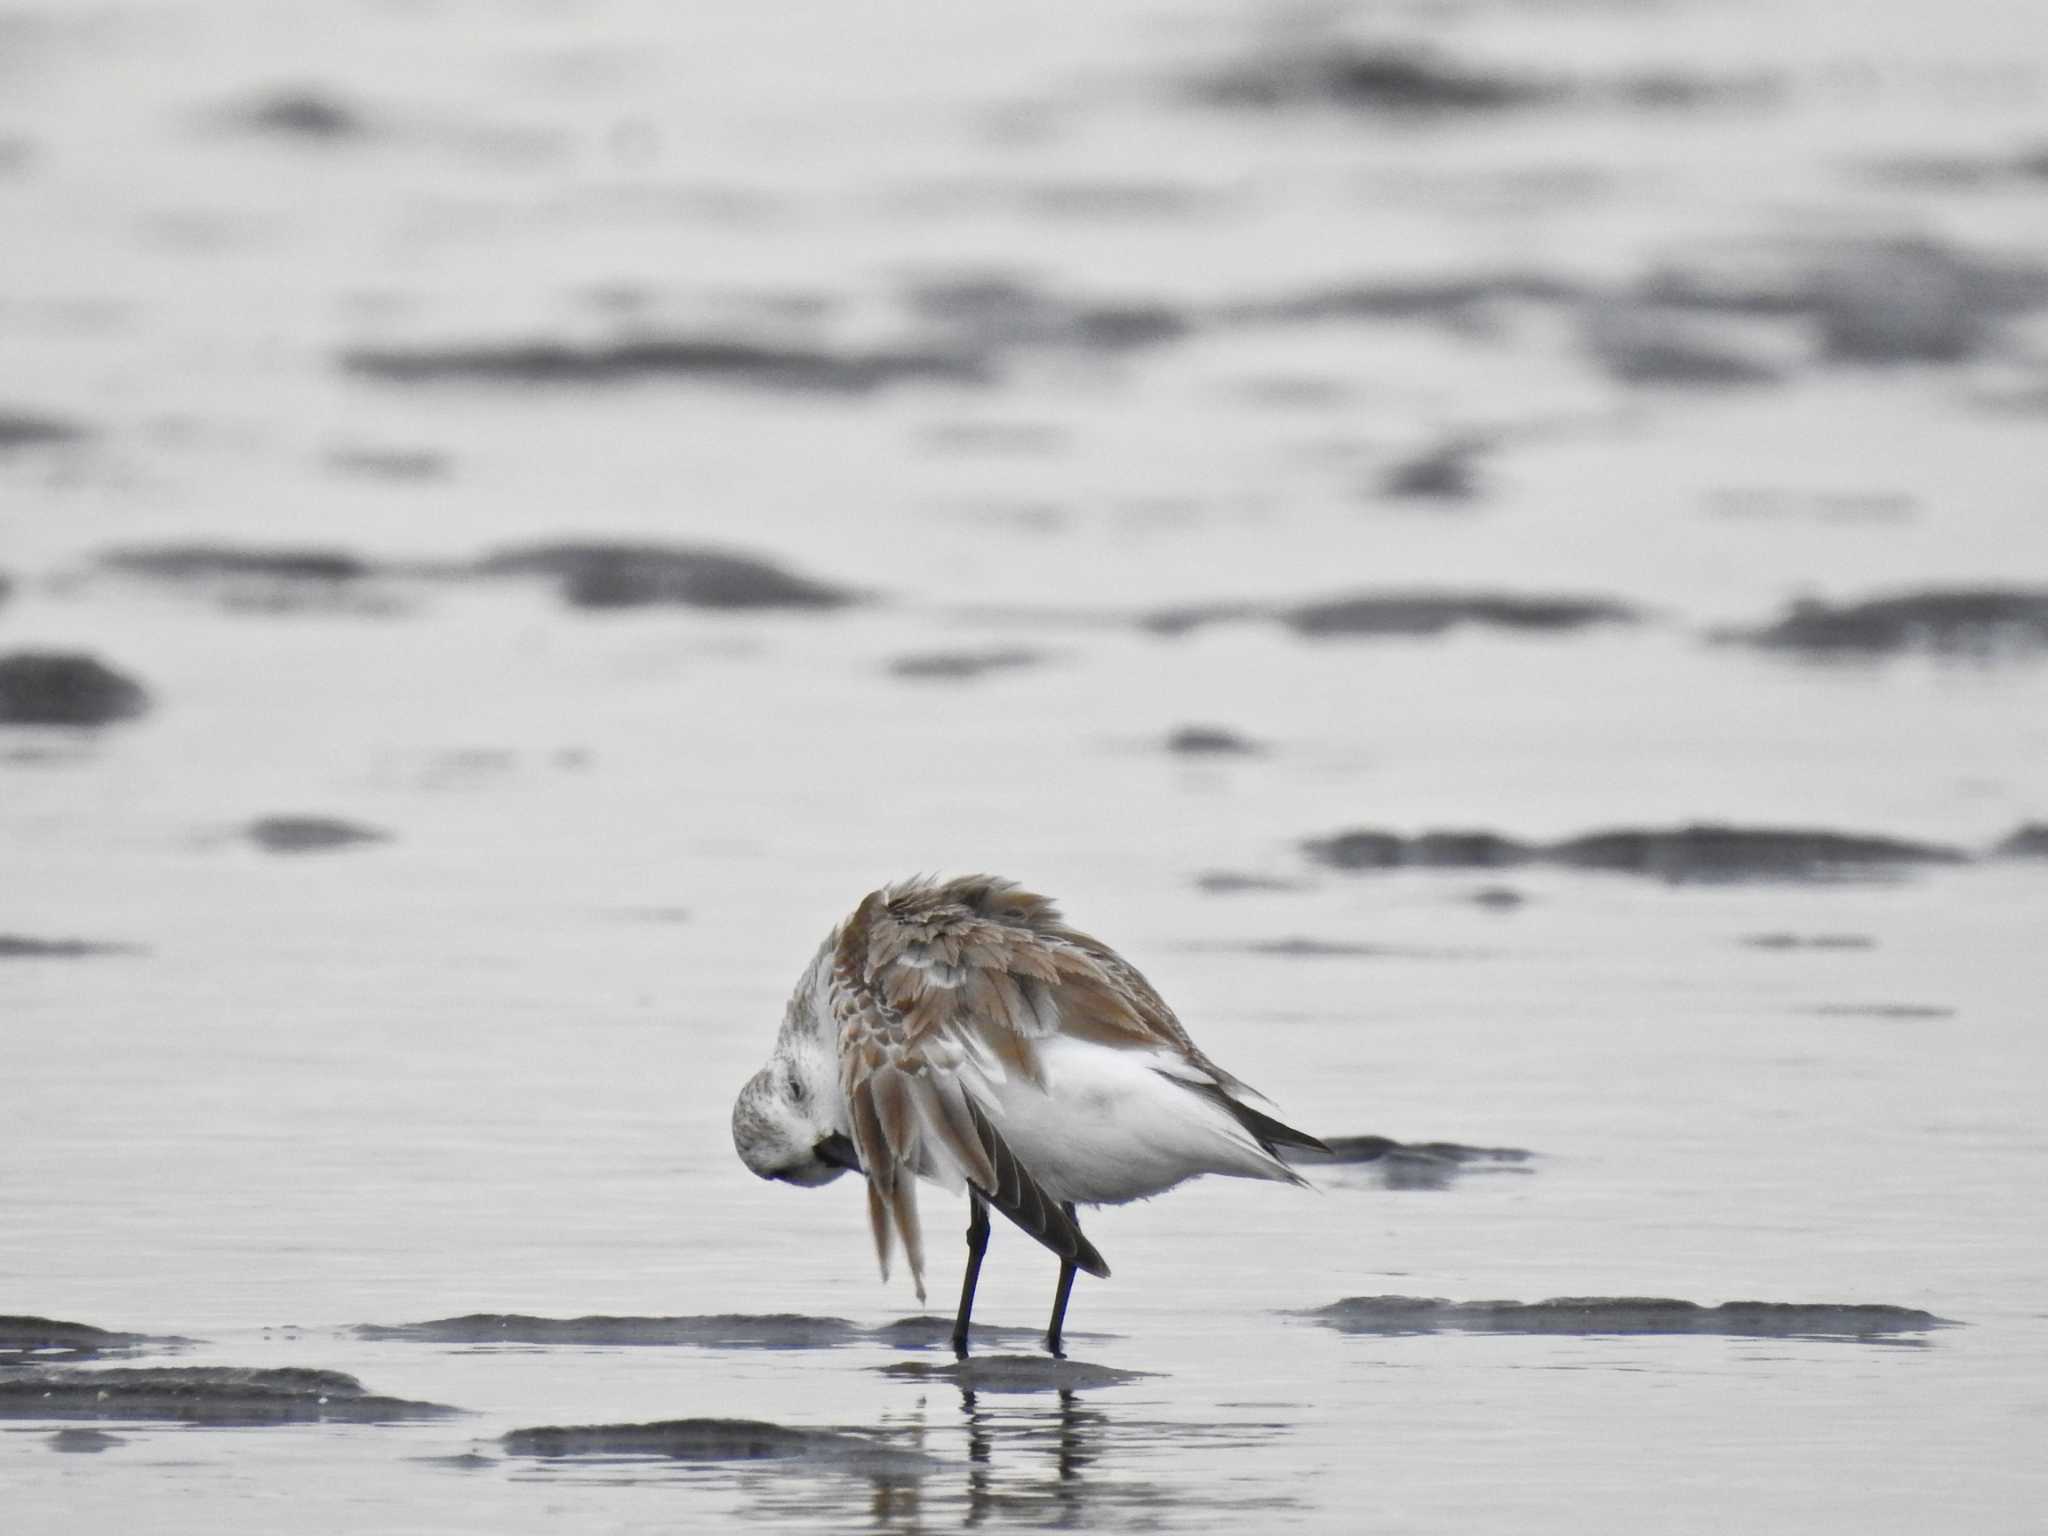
(937, 993)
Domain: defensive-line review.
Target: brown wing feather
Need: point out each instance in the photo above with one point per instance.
(903, 1209)
(925, 972)
(877, 1157)
(890, 1093)
(878, 1223)
(947, 1114)
(980, 954)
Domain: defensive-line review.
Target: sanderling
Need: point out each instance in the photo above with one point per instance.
(961, 1032)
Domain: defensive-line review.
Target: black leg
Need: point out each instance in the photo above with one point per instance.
(977, 1245)
(1059, 1300)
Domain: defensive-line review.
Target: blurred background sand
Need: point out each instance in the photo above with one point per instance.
(514, 516)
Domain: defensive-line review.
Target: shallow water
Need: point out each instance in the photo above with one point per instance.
(399, 964)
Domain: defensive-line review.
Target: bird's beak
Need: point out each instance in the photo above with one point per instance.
(837, 1151)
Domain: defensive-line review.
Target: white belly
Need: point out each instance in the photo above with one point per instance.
(1109, 1127)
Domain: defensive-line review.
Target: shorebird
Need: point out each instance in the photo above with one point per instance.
(961, 1032)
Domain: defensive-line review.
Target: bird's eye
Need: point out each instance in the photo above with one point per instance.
(796, 1089)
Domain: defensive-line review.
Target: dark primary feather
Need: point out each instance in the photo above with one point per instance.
(1269, 1133)
(1017, 1195)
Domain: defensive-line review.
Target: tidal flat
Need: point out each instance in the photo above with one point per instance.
(1495, 551)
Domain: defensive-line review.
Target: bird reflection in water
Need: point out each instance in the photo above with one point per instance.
(1025, 1458)
(1076, 1435)
(1052, 1459)
(1058, 1462)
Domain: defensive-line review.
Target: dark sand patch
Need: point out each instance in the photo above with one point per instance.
(1895, 1013)
(1188, 617)
(641, 359)
(1445, 471)
(467, 768)
(1700, 852)
(65, 688)
(227, 562)
(1230, 882)
(2029, 841)
(1972, 621)
(617, 574)
(1595, 1315)
(931, 1331)
(1787, 941)
(1655, 345)
(393, 464)
(1404, 615)
(985, 314)
(1304, 947)
(460, 1461)
(778, 1330)
(1014, 1373)
(45, 753)
(310, 834)
(1459, 302)
(302, 112)
(1401, 1165)
(51, 1337)
(263, 580)
(1211, 741)
(1953, 171)
(1349, 1150)
(1389, 81)
(83, 1441)
(1119, 198)
(33, 429)
(1497, 898)
(963, 666)
(1021, 439)
(1368, 848)
(1823, 506)
(2032, 162)
(18, 946)
(1413, 83)
(204, 1394)
(1035, 518)
(1910, 301)
(1671, 90)
(1704, 852)
(1869, 300)
(1435, 613)
(712, 1440)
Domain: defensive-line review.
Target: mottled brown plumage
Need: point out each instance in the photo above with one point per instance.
(960, 1031)
(926, 975)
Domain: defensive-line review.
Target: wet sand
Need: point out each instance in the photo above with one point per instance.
(1495, 551)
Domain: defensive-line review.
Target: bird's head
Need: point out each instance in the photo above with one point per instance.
(785, 1124)
(789, 1122)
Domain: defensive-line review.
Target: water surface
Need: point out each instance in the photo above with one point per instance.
(662, 474)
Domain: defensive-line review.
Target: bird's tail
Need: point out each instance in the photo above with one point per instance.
(1270, 1134)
